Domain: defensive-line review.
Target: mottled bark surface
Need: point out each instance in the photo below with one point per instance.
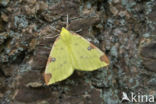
(124, 29)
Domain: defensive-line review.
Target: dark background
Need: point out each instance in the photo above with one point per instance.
(123, 29)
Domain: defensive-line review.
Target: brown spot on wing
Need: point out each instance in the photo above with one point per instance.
(92, 46)
(57, 39)
(104, 58)
(51, 59)
(47, 78)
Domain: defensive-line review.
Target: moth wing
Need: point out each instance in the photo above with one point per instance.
(59, 65)
(87, 56)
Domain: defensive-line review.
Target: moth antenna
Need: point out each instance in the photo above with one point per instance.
(55, 29)
(67, 24)
(52, 36)
(78, 31)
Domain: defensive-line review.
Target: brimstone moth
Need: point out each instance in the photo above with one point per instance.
(71, 51)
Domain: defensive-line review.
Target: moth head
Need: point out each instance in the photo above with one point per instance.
(65, 34)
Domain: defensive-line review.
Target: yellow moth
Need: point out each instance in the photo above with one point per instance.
(70, 51)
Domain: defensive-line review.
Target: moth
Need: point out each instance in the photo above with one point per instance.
(71, 52)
